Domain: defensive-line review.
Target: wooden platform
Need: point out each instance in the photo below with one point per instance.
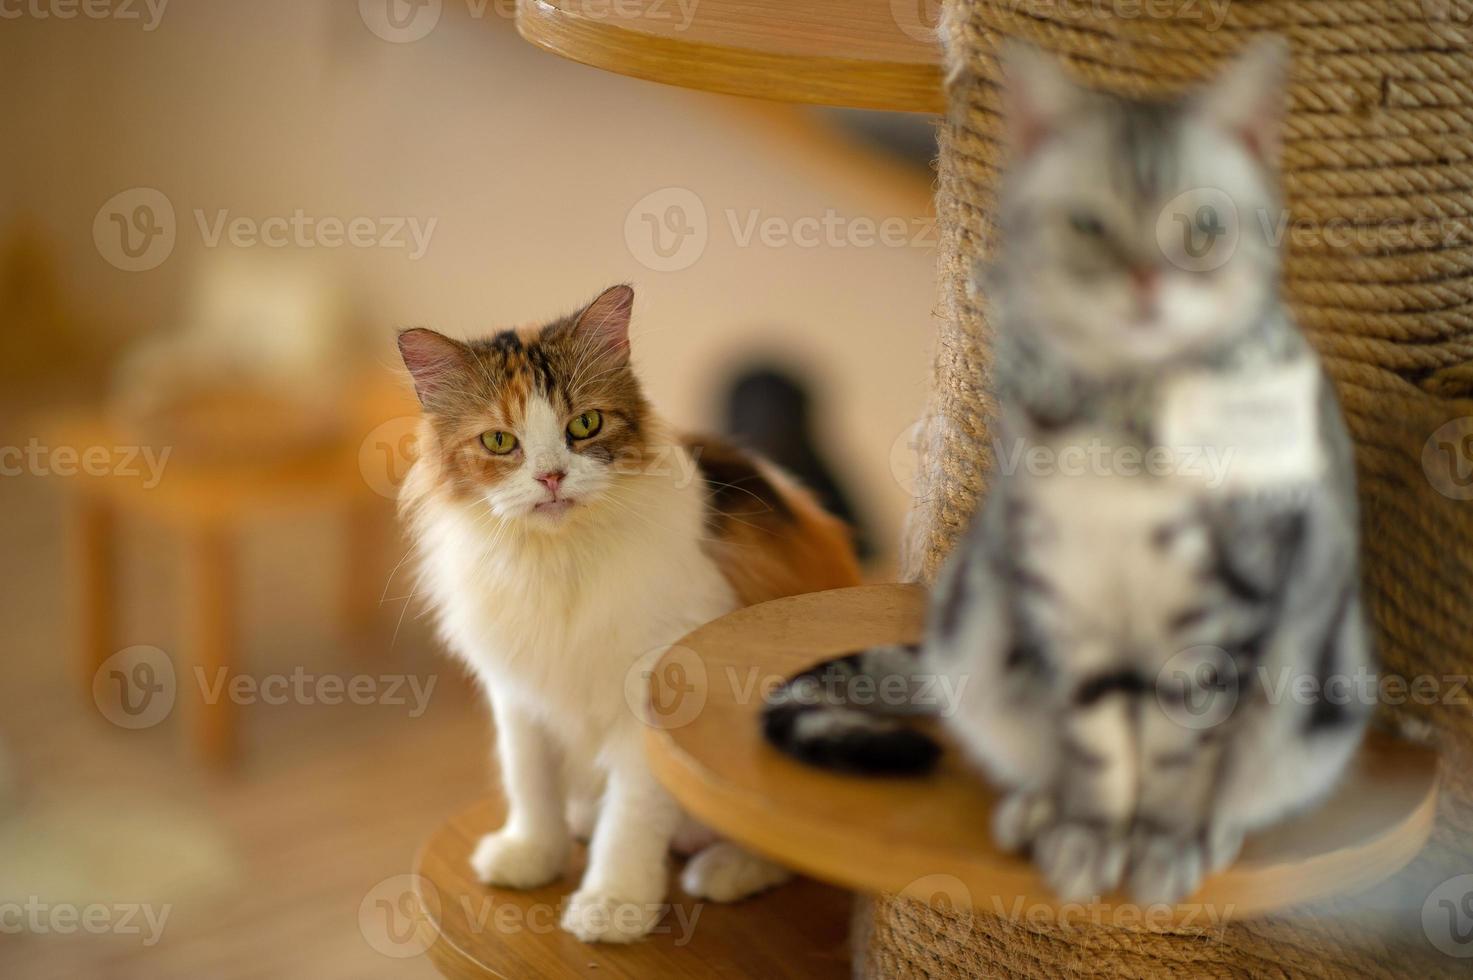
(931, 835)
(871, 54)
(795, 932)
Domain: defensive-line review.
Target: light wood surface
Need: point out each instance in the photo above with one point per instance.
(930, 836)
(872, 54)
(795, 932)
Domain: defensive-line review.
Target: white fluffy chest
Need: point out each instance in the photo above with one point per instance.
(561, 620)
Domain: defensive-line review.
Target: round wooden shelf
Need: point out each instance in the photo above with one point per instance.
(470, 930)
(869, 54)
(930, 836)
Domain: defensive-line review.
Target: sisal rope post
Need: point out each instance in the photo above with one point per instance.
(1378, 175)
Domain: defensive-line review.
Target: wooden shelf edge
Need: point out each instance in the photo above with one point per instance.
(848, 82)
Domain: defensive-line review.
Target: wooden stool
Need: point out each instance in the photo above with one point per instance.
(470, 930)
(206, 500)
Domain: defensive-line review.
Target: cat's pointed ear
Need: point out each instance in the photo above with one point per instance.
(606, 320)
(436, 363)
(1037, 95)
(1248, 99)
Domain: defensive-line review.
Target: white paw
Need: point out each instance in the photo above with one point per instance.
(1080, 861)
(598, 917)
(724, 872)
(518, 861)
(1164, 869)
(1019, 818)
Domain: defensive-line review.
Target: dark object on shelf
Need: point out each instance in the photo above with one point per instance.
(767, 412)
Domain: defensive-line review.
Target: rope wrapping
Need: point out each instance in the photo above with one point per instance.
(1379, 146)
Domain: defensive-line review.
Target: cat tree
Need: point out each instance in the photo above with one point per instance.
(1379, 144)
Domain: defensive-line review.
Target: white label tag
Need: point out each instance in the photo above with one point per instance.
(1250, 431)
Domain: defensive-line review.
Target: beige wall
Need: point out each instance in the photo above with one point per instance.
(528, 164)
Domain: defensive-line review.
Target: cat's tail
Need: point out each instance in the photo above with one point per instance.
(850, 713)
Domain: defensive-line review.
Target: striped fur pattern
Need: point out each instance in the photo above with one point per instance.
(1129, 640)
(566, 536)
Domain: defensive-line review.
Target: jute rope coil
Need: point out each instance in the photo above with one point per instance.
(1378, 173)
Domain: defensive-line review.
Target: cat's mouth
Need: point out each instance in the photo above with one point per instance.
(555, 507)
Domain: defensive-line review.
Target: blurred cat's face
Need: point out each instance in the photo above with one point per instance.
(538, 424)
(1137, 233)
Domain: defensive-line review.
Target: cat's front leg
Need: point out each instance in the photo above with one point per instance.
(1082, 851)
(623, 891)
(531, 848)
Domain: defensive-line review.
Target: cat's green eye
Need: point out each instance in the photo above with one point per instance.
(499, 443)
(1086, 224)
(586, 424)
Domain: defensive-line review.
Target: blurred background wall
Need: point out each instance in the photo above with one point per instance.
(756, 235)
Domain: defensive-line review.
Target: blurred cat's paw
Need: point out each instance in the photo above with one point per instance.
(692, 837)
(1019, 817)
(1165, 868)
(596, 916)
(1080, 861)
(517, 860)
(1224, 844)
(724, 872)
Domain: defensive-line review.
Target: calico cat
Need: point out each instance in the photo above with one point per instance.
(1147, 657)
(564, 532)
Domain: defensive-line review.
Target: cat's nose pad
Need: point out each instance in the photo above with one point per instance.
(1147, 283)
(551, 479)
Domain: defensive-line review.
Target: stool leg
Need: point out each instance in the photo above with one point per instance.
(371, 538)
(211, 633)
(94, 557)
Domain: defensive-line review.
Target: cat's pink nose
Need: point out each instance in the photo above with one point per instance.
(550, 479)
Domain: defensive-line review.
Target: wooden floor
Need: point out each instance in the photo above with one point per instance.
(261, 872)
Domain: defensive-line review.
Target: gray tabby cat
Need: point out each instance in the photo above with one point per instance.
(1154, 619)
